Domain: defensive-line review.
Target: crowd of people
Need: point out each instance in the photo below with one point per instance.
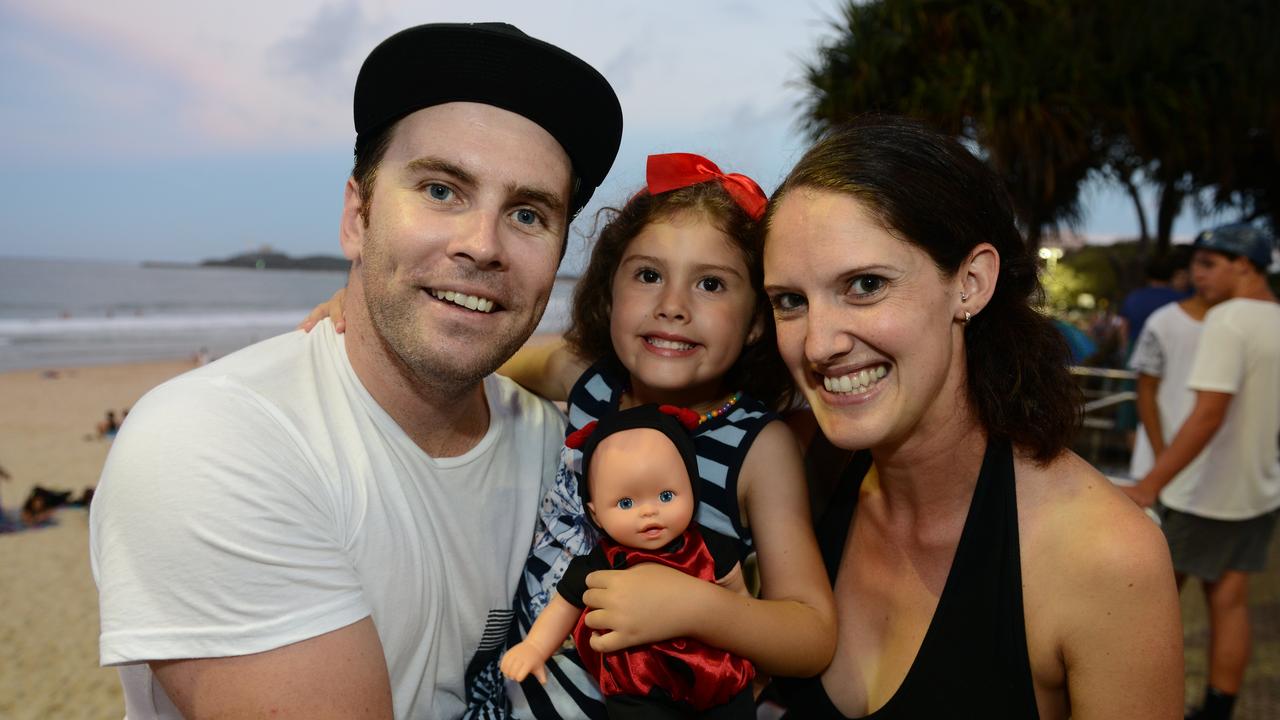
(368, 520)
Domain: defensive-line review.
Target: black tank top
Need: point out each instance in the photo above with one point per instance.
(973, 661)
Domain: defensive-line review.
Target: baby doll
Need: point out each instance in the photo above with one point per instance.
(636, 487)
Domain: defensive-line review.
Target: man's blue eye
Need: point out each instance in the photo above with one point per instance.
(626, 503)
(439, 192)
(525, 216)
(666, 496)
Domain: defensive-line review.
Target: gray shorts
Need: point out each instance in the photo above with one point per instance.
(1206, 548)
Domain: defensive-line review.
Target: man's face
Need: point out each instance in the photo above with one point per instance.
(1214, 274)
(464, 231)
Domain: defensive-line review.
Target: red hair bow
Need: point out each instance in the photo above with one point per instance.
(673, 171)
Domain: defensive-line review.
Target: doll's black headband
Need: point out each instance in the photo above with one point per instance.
(675, 423)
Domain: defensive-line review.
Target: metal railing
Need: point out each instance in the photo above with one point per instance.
(1110, 418)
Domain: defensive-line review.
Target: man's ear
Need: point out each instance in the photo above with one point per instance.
(352, 228)
(977, 279)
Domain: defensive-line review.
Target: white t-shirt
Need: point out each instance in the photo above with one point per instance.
(1165, 349)
(266, 498)
(1239, 354)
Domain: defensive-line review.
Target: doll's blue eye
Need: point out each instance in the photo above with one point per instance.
(626, 503)
(666, 496)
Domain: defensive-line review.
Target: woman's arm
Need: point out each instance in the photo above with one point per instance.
(790, 630)
(545, 637)
(548, 368)
(1111, 604)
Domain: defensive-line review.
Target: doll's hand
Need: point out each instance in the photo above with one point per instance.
(521, 660)
(331, 308)
(643, 604)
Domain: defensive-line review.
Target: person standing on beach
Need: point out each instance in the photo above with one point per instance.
(1219, 522)
(333, 526)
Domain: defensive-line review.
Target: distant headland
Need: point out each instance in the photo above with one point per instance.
(266, 260)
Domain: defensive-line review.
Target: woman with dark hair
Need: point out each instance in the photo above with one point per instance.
(980, 568)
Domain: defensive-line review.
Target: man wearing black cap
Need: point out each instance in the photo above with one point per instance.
(333, 526)
(1219, 522)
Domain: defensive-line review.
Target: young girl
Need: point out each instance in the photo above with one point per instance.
(671, 310)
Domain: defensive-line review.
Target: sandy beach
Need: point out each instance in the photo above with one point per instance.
(48, 603)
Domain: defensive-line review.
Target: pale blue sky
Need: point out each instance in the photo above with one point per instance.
(160, 130)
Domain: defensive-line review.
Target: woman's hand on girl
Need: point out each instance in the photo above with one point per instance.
(331, 308)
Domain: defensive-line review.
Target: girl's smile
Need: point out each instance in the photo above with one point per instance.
(668, 345)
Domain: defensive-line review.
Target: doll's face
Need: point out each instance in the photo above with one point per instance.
(640, 489)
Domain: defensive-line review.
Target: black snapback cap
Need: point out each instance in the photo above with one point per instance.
(495, 64)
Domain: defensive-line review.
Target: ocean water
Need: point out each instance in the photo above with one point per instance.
(70, 313)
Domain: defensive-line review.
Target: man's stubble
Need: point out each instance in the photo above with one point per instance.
(391, 311)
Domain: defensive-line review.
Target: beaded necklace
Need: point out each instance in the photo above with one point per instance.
(711, 414)
(728, 405)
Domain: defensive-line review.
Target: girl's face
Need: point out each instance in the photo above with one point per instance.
(683, 309)
(865, 322)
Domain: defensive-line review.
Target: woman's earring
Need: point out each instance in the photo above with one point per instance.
(963, 297)
(967, 317)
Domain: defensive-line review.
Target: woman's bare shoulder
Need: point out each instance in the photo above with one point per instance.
(1072, 512)
(1097, 586)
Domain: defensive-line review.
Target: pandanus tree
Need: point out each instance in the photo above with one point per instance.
(990, 73)
(1178, 95)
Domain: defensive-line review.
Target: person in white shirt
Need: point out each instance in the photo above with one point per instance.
(1220, 526)
(1162, 358)
(325, 526)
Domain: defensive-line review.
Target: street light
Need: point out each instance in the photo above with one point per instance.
(1051, 255)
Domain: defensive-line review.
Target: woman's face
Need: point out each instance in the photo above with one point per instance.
(865, 322)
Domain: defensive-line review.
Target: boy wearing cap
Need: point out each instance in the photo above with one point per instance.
(1219, 523)
(333, 526)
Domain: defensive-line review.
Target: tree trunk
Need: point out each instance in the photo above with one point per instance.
(1170, 206)
(1144, 239)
